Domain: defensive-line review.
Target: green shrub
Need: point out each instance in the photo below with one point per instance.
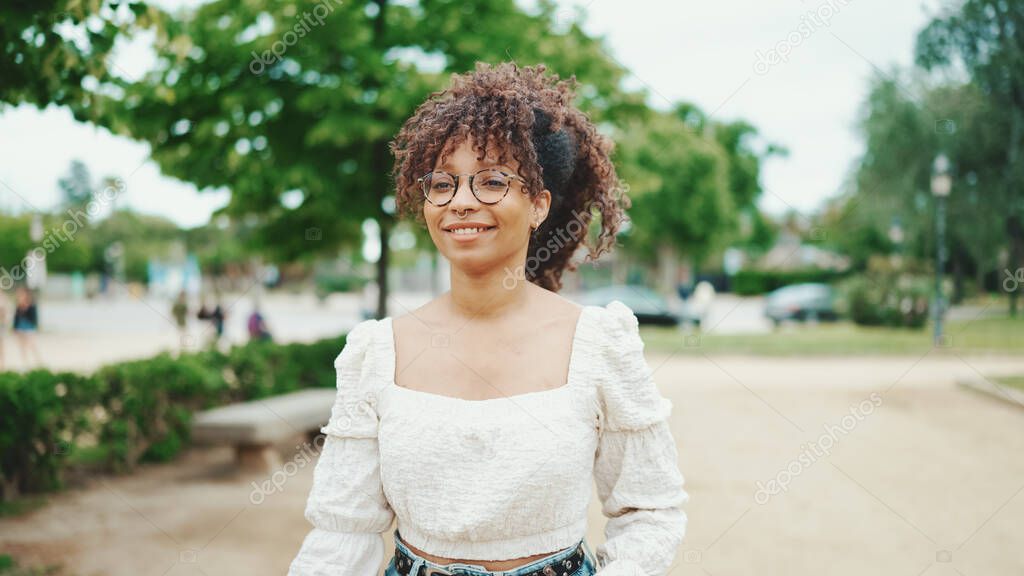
(887, 299)
(148, 404)
(755, 282)
(250, 370)
(139, 410)
(326, 284)
(9, 567)
(310, 360)
(44, 415)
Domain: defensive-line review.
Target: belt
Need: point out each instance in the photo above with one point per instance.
(563, 567)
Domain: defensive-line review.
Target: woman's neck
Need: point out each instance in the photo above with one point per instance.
(487, 297)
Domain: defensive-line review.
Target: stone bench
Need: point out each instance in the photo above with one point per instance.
(256, 427)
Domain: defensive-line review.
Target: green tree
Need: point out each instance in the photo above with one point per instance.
(221, 244)
(51, 50)
(679, 185)
(987, 38)
(746, 153)
(903, 134)
(695, 184)
(15, 243)
(268, 98)
(63, 252)
(76, 187)
(143, 237)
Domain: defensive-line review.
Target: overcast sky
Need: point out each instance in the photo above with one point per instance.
(727, 57)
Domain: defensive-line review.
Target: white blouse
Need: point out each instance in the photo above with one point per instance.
(500, 478)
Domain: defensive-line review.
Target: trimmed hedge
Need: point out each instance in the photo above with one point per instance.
(755, 282)
(146, 406)
(139, 410)
(43, 413)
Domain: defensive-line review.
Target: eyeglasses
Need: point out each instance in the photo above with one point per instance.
(489, 185)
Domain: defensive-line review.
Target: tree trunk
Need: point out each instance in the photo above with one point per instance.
(379, 163)
(382, 270)
(667, 266)
(1016, 235)
(1013, 223)
(958, 274)
(9, 489)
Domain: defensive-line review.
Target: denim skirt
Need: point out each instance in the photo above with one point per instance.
(555, 562)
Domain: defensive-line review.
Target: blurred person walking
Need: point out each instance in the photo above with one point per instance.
(702, 299)
(257, 326)
(180, 312)
(26, 323)
(216, 317)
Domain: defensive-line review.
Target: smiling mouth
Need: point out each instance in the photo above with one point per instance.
(470, 231)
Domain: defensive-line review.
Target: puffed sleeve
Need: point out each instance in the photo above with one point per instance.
(346, 505)
(636, 463)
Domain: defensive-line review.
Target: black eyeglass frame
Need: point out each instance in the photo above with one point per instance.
(472, 178)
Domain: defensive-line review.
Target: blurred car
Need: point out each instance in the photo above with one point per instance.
(801, 302)
(648, 305)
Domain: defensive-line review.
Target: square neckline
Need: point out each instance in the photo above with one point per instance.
(392, 364)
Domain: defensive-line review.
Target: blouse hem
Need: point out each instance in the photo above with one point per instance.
(504, 549)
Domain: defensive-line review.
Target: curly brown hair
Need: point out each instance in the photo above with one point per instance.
(529, 115)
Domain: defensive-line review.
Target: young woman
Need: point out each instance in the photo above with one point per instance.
(480, 420)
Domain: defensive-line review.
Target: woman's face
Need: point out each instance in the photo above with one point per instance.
(506, 234)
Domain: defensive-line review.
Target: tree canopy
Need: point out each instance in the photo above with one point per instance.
(291, 107)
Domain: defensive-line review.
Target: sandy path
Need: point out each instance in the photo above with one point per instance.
(919, 475)
(924, 478)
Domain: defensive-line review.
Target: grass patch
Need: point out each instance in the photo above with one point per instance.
(1011, 381)
(10, 567)
(88, 456)
(21, 505)
(982, 336)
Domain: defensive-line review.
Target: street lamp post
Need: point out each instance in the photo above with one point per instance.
(896, 237)
(942, 183)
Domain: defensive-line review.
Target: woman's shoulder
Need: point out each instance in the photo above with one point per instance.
(614, 324)
(361, 364)
(629, 393)
(610, 341)
(358, 341)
